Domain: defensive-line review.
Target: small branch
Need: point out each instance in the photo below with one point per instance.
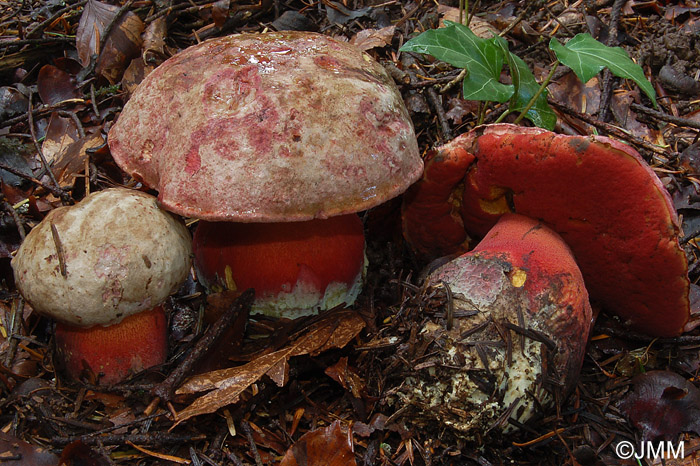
(166, 388)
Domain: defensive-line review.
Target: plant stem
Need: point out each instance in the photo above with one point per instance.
(505, 114)
(537, 95)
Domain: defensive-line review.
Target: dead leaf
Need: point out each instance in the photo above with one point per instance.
(93, 21)
(327, 446)
(134, 74)
(16, 452)
(478, 26)
(371, 38)
(60, 133)
(219, 12)
(334, 330)
(662, 405)
(71, 161)
(123, 44)
(55, 85)
(154, 51)
(347, 377)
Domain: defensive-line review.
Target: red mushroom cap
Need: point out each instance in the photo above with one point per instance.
(294, 267)
(522, 274)
(274, 127)
(598, 194)
(115, 352)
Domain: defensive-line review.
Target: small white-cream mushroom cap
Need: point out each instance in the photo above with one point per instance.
(114, 254)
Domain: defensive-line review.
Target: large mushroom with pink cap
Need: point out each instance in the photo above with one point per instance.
(277, 130)
(598, 194)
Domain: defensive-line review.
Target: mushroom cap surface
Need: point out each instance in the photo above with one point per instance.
(122, 255)
(597, 193)
(520, 326)
(282, 126)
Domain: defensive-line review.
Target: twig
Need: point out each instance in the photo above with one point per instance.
(59, 250)
(435, 101)
(245, 427)
(166, 388)
(157, 438)
(40, 27)
(610, 129)
(56, 192)
(32, 131)
(606, 94)
(15, 216)
(678, 121)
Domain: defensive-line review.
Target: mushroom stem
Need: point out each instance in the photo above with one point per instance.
(115, 352)
(521, 333)
(295, 267)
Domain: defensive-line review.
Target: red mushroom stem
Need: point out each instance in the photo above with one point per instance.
(294, 267)
(115, 352)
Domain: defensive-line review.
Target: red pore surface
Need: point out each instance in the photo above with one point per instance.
(115, 352)
(274, 257)
(271, 127)
(601, 197)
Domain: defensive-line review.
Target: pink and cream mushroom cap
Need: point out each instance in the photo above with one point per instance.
(272, 127)
(120, 254)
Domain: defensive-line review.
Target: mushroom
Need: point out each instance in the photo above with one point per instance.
(102, 269)
(598, 194)
(270, 129)
(515, 336)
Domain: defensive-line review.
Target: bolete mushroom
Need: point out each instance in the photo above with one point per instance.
(517, 332)
(598, 194)
(270, 129)
(101, 269)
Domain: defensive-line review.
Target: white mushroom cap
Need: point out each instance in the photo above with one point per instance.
(120, 254)
(274, 127)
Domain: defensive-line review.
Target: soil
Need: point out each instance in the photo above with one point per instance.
(66, 109)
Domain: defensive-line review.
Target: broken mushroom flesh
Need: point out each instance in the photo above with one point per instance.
(111, 256)
(271, 128)
(598, 194)
(516, 336)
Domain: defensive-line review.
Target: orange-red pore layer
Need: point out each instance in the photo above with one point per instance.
(295, 267)
(115, 352)
(598, 194)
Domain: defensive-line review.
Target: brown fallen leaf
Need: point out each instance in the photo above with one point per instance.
(16, 452)
(347, 377)
(334, 330)
(123, 44)
(371, 38)
(327, 446)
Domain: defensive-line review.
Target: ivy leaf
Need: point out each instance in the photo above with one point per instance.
(526, 86)
(587, 57)
(483, 59)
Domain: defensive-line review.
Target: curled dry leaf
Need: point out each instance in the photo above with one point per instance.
(371, 38)
(328, 446)
(662, 405)
(333, 330)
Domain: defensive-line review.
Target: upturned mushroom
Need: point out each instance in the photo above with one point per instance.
(102, 269)
(516, 336)
(271, 129)
(598, 194)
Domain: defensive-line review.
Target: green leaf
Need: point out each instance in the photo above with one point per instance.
(587, 57)
(526, 86)
(483, 59)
